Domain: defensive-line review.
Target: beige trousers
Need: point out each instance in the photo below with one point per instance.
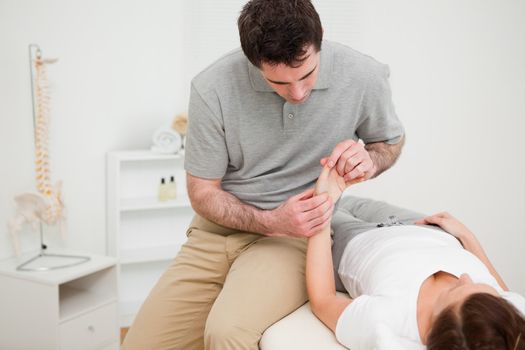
(224, 288)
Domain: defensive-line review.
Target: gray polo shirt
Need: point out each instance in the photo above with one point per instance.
(265, 149)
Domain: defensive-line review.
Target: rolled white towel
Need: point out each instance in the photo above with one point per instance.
(166, 141)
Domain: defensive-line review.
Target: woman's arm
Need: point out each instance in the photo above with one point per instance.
(320, 284)
(469, 241)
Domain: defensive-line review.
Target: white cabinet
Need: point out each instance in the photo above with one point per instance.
(69, 308)
(144, 233)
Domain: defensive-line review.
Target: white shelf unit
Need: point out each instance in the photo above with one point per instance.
(144, 233)
(68, 308)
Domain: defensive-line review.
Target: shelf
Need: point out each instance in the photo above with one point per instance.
(142, 155)
(149, 254)
(151, 203)
(143, 232)
(76, 301)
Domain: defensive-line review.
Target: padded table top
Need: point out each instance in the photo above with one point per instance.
(299, 330)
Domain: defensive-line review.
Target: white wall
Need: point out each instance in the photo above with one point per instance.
(119, 76)
(457, 76)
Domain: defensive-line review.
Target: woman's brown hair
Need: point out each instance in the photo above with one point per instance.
(482, 322)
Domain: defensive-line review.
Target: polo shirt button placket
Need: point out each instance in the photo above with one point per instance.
(289, 117)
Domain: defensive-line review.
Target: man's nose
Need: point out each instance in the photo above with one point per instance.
(297, 91)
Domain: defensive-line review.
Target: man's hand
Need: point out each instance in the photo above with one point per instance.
(351, 160)
(448, 223)
(302, 215)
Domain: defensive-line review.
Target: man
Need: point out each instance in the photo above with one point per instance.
(261, 119)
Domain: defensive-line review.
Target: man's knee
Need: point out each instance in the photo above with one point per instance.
(221, 335)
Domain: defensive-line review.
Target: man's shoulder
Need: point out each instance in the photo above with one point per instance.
(349, 61)
(232, 65)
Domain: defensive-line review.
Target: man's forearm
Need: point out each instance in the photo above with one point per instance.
(227, 210)
(384, 155)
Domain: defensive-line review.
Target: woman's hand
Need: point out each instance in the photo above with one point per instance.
(332, 183)
(448, 223)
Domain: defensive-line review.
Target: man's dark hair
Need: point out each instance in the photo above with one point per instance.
(483, 322)
(279, 31)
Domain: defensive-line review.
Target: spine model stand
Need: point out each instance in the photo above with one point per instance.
(46, 206)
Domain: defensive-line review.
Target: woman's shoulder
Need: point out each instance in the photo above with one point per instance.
(376, 322)
(515, 299)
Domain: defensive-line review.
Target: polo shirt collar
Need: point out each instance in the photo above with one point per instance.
(323, 77)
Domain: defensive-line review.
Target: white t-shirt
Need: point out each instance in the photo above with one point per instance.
(383, 270)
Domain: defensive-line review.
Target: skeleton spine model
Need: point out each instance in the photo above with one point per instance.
(46, 206)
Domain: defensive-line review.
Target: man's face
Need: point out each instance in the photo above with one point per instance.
(294, 84)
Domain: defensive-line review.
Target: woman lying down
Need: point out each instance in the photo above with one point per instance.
(412, 283)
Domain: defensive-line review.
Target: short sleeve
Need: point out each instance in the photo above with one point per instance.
(378, 120)
(370, 322)
(517, 300)
(356, 327)
(206, 154)
(386, 339)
